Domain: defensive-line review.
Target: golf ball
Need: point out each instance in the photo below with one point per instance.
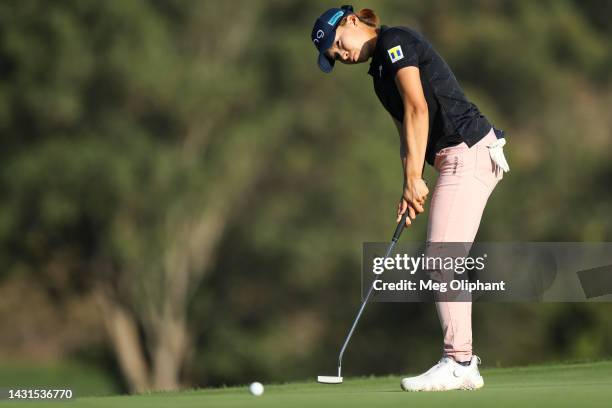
(256, 389)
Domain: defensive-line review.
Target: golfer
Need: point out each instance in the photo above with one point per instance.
(436, 124)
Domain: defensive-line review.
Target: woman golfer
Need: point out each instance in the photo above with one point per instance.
(437, 124)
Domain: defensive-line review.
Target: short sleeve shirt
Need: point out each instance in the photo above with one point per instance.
(452, 118)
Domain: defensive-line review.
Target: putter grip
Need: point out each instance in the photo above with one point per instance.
(400, 226)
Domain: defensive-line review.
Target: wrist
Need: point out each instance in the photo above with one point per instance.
(413, 171)
(411, 179)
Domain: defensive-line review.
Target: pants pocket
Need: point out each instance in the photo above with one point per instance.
(484, 170)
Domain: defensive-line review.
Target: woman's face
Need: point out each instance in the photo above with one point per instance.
(350, 45)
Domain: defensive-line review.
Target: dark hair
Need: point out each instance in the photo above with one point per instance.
(366, 16)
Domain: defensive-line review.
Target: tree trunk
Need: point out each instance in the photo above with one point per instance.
(169, 353)
(123, 332)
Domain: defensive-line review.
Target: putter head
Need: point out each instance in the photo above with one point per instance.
(329, 379)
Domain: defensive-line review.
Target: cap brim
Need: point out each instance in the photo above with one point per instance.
(326, 64)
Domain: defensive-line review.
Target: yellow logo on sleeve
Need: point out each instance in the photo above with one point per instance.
(395, 53)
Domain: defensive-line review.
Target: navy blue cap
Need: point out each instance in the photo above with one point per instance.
(324, 34)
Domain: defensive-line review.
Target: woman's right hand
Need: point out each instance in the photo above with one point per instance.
(413, 200)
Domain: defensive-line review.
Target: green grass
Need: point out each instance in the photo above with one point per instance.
(565, 385)
(84, 379)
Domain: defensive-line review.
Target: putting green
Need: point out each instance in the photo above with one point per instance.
(564, 385)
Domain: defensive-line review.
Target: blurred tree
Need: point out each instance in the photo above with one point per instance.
(122, 148)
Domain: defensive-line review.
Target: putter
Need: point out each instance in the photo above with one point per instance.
(330, 379)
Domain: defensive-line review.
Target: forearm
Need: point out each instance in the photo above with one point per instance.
(403, 151)
(415, 128)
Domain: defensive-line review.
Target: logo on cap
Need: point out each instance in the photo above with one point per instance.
(395, 53)
(320, 34)
(332, 21)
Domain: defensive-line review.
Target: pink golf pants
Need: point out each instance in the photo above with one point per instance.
(465, 182)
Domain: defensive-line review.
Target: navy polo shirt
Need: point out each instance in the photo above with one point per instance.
(452, 118)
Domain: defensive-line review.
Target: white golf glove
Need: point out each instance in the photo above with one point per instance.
(496, 150)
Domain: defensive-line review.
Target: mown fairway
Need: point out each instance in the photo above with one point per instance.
(566, 385)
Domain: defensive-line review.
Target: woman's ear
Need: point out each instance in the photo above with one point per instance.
(352, 19)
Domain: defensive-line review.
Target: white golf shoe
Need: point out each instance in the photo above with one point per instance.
(446, 375)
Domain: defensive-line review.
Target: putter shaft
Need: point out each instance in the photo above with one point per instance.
(396, 235)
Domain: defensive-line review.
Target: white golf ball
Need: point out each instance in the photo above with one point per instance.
(256, 389)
